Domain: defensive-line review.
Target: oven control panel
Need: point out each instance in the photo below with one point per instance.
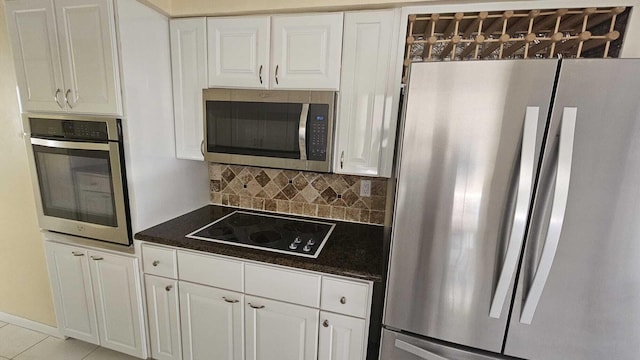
(69, 129)
(317, 133)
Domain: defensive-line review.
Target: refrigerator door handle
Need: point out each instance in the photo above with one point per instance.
(521, 213)
(558, 207)
(419, 352)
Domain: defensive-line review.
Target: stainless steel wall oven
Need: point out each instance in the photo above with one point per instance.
(280, 129)
(77, 165)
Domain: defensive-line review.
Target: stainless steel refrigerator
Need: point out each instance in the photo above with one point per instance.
(517, 222)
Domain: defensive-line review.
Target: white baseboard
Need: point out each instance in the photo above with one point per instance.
(31, 325)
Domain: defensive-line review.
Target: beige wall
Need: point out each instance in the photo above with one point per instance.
(24, 284)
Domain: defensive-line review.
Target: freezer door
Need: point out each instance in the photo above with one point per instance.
(397, 346)
(578, 295)
(463, 195)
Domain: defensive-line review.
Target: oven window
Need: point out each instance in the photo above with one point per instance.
(76, 184)
(253, 128)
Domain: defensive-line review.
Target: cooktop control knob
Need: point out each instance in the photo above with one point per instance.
(311, 242)
(297, 240)
(306, 248)
(293, 246)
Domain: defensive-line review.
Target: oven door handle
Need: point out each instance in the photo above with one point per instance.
(70, 144)
(302, 131)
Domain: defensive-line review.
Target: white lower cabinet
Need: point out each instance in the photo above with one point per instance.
(341, 337)
(212, 323)
(98, 297)
(164, 317)
(251, 311)
(280, 331)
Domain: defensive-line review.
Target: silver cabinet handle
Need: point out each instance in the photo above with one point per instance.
(202, 147)
(277, 74)
(343, 300)
(325, 323)
(558, 208)
(232, 301)
(342, 160)
(155, 263)
(66, 98)
(260, 74)
(419, 352)
(55, 98)
(97, 258)
(256, 307)
(302, 131)
(521, 213)
(76, 253)
(168, 288)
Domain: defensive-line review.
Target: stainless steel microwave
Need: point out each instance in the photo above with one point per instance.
(277, 129)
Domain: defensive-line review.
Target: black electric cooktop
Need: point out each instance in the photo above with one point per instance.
(268, 232)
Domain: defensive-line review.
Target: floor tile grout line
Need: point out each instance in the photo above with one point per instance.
(31, 345)
(91, 352)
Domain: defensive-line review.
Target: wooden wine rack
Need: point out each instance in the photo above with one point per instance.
(521, 34)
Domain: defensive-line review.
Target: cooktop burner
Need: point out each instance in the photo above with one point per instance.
(268, 232)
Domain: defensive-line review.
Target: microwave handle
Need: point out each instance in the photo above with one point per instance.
(302, 131)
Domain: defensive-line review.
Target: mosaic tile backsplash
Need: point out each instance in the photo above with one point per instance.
(330, 196)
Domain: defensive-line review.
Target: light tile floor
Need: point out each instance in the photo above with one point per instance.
(23, 344)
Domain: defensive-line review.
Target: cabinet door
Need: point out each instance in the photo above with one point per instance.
(341, 337)
(163, 315)
(306, 51)
(118, 296)
(32, 31)
(189, 71)
(211, 323)
(280, 331)
(88, 52)
(367, 113)
(71, 285)
(239, 52)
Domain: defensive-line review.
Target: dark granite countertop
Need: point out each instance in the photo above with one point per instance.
(354, 250)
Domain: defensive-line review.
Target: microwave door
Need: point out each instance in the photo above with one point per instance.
(302, 131)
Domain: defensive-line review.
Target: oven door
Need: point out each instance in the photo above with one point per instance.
(80, 190)
(271, 129)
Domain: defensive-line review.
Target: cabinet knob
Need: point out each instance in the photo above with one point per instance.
(256, 307)
(155, 263)
(232, 301)
(343, 300)
(325, 323)
(97, 258)
(77, 253)
(168, 288)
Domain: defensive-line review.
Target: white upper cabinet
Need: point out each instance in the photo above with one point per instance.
(369, 94)
(189, 71)
(277, 52)
(305, 51)
(65, 55)
(88, 55)
(239, 52)
(32, 30)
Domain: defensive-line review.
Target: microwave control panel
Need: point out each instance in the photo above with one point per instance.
(317, 132)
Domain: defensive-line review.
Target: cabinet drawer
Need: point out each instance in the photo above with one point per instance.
(159, 261)
(210, 270)
(281, 284)
(345, 297)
